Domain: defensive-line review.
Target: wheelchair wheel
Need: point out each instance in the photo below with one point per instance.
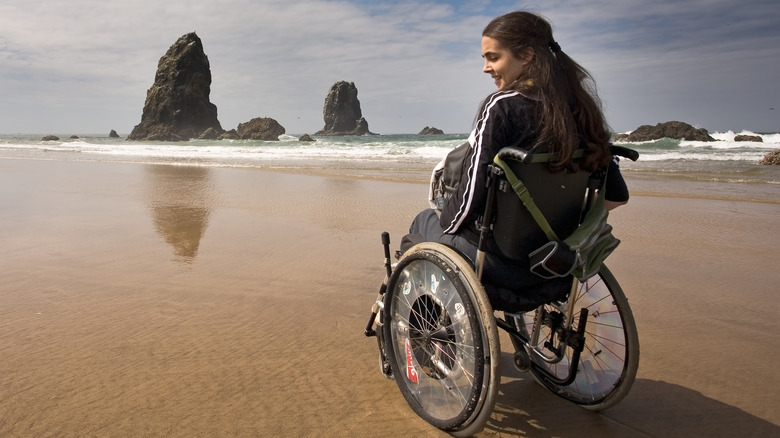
(441, 339)
(609, 362)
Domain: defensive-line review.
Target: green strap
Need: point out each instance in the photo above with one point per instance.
(522, 191)
(546, 157)
(525, 196)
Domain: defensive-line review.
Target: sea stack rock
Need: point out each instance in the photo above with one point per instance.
(177, 106)
(675, 130)
(113, 134)
(342, 112)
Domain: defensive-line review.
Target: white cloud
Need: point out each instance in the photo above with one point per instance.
(85, 66)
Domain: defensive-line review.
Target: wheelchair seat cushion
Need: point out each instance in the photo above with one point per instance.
(531, 297)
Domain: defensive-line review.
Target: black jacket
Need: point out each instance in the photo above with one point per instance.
(505, 118)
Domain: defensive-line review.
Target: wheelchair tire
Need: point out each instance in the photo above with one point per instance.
(608, 364)
(441, 339)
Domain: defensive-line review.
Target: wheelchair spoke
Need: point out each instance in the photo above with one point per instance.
(607, 365)
(435, 336)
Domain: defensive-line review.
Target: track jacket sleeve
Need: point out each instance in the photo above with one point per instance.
(501, 121)
(616, 189)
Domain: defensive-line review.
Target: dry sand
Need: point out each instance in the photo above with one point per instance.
(148, 300)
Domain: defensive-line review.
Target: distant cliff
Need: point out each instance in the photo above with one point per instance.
(177, 105)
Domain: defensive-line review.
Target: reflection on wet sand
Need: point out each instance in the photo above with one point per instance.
(180, 200)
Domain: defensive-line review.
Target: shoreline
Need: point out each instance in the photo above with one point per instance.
(159, 300)
(641, 182)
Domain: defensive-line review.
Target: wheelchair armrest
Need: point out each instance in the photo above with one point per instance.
(525, 157)
(516, 154)
(625, 152)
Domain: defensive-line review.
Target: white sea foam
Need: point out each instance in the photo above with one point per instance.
(398, 151)
(728, 156)
(729, 136)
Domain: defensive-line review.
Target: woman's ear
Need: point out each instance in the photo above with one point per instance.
(526, 55)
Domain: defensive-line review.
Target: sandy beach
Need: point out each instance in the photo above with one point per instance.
(174, 301)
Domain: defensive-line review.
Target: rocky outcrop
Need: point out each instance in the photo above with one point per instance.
(113, 134)
(772, 158)
(260, 128)
(230, 134)
(305, 137)
(675, 130)
(74, 137)
(431, 131)
(177, 105)
(50, 138)
(342, 112)
(743, 137)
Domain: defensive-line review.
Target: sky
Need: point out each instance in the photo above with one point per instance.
(84, 66)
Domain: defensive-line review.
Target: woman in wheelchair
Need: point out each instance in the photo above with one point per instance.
(475, 251)
(545, 102)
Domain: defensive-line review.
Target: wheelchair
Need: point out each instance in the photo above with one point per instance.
(438, 333)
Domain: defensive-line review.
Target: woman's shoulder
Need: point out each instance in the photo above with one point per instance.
(512, 95)
(513, 107)
(511, 100)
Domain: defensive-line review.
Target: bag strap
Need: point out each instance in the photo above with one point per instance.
(522, 192)
(525, 196)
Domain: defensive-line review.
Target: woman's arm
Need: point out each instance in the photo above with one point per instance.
(491, 132)
(616, 192)
(611, 205)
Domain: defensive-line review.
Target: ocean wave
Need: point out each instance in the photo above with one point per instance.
(723, 157)
(728, 136)
(692, 156)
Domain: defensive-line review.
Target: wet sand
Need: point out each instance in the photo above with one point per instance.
(151, 300)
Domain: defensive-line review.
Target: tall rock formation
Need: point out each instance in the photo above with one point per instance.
(177, 105)
(342, 112)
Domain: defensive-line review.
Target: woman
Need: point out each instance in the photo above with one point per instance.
(543, 97)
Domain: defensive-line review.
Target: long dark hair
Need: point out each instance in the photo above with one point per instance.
(570, 114)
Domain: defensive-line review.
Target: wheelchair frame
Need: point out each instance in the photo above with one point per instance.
(451, 367)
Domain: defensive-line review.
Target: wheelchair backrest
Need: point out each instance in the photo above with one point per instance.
(560, 196)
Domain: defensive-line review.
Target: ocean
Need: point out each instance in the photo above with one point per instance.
(410, 157)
